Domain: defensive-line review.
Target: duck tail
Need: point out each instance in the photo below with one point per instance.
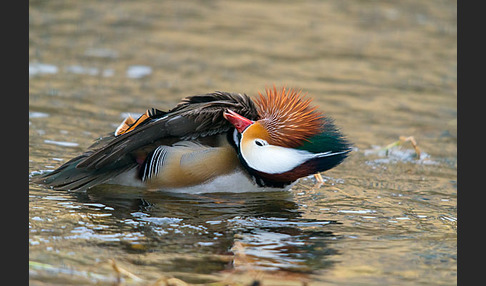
(71, 178)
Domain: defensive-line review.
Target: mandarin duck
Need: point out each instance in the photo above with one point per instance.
(215, 142)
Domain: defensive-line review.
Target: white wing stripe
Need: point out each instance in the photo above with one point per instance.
(329, 153)
(156, 160)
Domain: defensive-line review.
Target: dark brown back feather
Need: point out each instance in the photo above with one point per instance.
(193, 117)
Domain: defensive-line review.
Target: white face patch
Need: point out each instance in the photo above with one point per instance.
(271, 159)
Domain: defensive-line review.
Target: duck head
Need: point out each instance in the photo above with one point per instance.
(291, 139)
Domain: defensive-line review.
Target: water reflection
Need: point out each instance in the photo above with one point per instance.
(194, 207)
(264, 228)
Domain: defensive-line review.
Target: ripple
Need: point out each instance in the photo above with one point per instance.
(274, 222)
(40, 68)
(34, 114)
(138, 71)
(82, 70)
(61, 143)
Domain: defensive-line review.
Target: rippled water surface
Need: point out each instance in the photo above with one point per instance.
(381, 69)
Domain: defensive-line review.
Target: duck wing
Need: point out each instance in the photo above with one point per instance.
(193, 118)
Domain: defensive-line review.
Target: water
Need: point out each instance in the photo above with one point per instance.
(382, 70)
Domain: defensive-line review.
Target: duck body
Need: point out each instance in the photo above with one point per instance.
(215, 142)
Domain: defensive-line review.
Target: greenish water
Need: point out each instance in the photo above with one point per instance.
(380, 69)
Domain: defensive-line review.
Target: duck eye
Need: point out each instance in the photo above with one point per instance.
(260, 142)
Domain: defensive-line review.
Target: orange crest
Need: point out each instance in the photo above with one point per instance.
(288, 117)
